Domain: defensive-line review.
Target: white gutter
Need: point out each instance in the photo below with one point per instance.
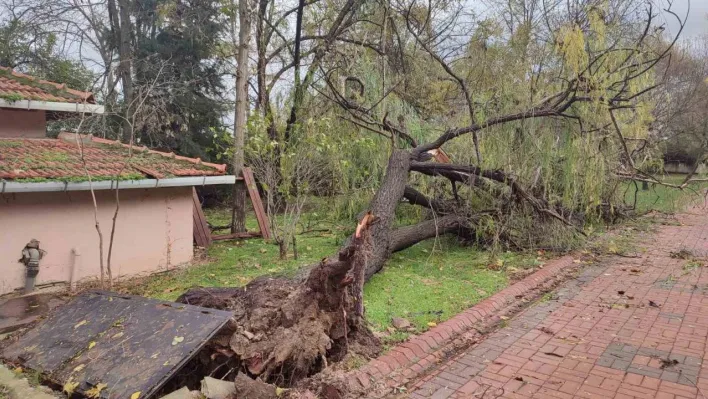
(44, 187)
(52, 106)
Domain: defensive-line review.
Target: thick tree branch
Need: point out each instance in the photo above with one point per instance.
(415, 197)
(467, 173)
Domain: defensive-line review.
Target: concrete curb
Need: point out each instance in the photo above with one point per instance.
(420, 352)
(20, 388)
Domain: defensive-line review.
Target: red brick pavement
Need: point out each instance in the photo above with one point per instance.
(599, 336)
(422, 352)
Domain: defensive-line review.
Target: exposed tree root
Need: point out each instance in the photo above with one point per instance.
(285, 330)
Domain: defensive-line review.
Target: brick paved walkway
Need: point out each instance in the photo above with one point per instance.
(626, 328)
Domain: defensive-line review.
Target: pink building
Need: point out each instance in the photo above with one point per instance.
(45, 193)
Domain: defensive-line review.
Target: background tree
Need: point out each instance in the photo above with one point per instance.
(243, 44)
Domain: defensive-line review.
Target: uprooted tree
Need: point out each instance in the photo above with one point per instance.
(588, 68)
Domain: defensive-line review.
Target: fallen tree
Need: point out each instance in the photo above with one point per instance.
(288, 329)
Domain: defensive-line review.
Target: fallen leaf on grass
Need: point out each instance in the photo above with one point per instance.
(432, 324)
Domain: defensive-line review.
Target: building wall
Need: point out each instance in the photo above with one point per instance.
(153, 233)
(22, 123)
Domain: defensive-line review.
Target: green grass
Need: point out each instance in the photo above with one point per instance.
(235, 263)
(662, 198)
(427, 283)
(425, 286)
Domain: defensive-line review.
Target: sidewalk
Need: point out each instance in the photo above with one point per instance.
(626, 328)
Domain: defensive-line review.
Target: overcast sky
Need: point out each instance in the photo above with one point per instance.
(696, 23)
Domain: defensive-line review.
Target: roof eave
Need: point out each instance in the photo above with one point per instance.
(8, 186)
(53, 106)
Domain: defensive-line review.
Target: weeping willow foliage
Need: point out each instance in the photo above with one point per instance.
(569, 162)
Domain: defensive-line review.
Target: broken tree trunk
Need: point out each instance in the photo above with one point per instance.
(288, 329)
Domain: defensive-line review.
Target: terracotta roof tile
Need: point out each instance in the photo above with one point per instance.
(18, 85)
(60, 159)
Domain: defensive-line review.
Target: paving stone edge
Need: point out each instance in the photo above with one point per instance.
(421, 352)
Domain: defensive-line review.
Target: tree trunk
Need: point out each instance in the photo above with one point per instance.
(261, 47)
(122, 27)
(238, 216)
(287, 329)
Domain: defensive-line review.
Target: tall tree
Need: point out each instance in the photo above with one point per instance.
(122, 30)
(238, 223)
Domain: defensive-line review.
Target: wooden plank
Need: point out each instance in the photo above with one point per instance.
(58, 344)
(198, 233)
(234, 236)
(261, 215)
(200, 220)
(202, 234)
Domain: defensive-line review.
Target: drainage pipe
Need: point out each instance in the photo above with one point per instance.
(75, 262)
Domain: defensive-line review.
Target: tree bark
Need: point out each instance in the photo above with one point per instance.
(405, 237)
(122, 28)
(238, 215)
(415, 197)
(383, 210)
(261, 47)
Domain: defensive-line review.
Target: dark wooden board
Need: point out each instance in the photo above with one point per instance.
(129, 343)
(202, 233)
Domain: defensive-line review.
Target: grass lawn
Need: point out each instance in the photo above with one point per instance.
(427, 283)
(665, 199)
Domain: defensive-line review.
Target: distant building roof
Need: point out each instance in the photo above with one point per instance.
(18, 86)
(41, 160)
